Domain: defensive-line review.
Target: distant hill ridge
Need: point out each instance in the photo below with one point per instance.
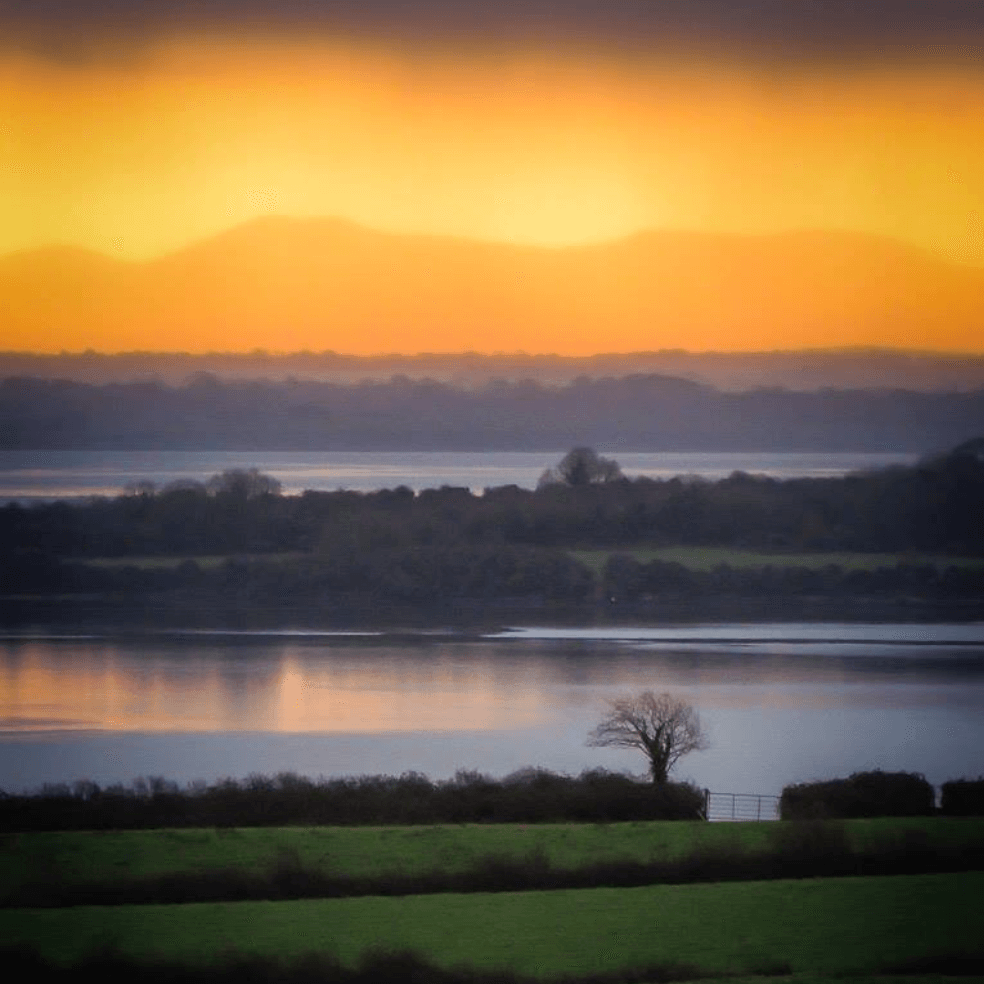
(631, 413)
(316, 284)
(806, 369)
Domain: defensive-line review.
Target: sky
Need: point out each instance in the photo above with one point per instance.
(135, 129)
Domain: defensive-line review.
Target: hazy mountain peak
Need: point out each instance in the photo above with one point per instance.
(326, 283)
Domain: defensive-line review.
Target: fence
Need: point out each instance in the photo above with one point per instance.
(740, 806)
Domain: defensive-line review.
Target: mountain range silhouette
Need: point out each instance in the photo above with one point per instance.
(292, 284)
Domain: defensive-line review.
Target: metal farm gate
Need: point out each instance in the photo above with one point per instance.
(740, 806)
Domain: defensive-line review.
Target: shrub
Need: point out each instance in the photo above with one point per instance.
(528, 796)
(963, 798)
(863, 794)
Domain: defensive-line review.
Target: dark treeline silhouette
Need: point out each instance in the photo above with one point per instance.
(531, 795)
(631, 412)
(527, 796)
(507, 544)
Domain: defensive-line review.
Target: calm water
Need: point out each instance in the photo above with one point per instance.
(26, 475)
(782, 702)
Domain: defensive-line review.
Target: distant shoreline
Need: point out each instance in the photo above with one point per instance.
(466, 616)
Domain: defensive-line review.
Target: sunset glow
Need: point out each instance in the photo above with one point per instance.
(139, 160)
(139, 153)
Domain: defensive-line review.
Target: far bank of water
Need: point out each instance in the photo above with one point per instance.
(31, 475)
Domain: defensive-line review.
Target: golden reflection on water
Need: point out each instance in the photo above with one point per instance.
(371, 688)
(94, 688)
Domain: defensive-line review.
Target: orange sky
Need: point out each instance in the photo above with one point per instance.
(140, 155)
(136, 159)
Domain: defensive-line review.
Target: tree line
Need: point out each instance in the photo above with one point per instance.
(508, 542)
(531, 795)
(641, 411)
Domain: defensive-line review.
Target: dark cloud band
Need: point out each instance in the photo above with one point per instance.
(778, 29)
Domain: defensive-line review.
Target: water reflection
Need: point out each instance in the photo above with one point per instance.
(782, 703)
(285, 688)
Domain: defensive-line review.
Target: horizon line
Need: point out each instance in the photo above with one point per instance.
(497, 354)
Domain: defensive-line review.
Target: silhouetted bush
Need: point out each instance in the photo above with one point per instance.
(863, 794)
(963, 798)
(530, 796)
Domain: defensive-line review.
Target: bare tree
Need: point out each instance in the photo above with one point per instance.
(661, 725)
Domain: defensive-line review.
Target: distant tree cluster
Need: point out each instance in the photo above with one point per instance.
(508, 543)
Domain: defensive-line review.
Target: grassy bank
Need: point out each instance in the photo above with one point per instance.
(281, 863)
(87, 855)
(847, 925)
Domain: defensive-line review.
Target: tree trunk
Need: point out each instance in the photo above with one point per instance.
(658, 769)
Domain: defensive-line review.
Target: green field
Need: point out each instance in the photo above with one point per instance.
(815, 928)
(821, 926)
(89, 856)
(97, 856)
(707, 558)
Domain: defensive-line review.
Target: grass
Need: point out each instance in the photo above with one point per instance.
(707, 558)
(81, 855)
(178, 866)
(91, 856)
(825, 926)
